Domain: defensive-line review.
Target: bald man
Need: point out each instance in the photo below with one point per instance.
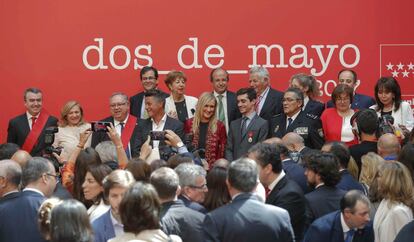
(388, 146)
(296, 144)
(21, 157)
(10, 177)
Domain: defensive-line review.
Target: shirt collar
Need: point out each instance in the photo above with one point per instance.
(251, 115)
(29, 116)
(223, 94)
(163, 119)
(345, 227)
(276, 181)
(294, 116)
(114, 221)
(116, 122)
(33, 190)
(7, 193)
(265, 92)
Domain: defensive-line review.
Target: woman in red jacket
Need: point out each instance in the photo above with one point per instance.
(206, 131)
(336, 121)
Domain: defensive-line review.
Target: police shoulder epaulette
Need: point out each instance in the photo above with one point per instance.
(312, 116)
(276, 115)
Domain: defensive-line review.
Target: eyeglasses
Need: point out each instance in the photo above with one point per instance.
(116, 105)
(150, 78)
(343, 100)
(56, 176)
(289, 100)
(202, 187)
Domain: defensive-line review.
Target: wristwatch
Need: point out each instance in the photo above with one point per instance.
(180, 144)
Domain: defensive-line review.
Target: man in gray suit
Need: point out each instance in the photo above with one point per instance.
(247, 130)
(246, 218)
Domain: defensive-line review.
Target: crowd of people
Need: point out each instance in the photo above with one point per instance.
(255, 165)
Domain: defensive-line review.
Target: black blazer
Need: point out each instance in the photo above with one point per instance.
(406, 234)
(136, 103)
(296, 172)
(314, 107)
(272, 104)
(233, 112)
(98, 137)
(145, 126)
(19, 129)
(288, 195)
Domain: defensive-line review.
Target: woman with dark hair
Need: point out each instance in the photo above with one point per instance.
(309, 87)
(336, 121)
(217, 194)
(139, 169)
(206, 131)
(178, 105)
(69, 223)
(93, 189)
(388, 97)
(143, 223)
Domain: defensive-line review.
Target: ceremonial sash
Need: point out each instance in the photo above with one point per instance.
(34, 134)
(127, 131)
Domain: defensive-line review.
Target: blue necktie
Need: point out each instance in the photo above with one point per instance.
(349, 235)
(290, 120)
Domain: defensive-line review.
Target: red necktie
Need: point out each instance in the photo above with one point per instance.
(267, 190)
(259, 99)
(33, 121)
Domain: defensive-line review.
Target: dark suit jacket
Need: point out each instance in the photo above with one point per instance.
(103, 228)
(9, 198)
(358, 150)
(306, 125)
(288, 195)
(348, 182)
(329, 229)
(296, 172)
(406, 234)
(182, 221)
(98, 137)
(19, 218)
(321, 201)
(145, 126)
(193, 205)
(136, 103)
(272, 105)
(314, 107)
(360, 102)
(247, 219)
(19, 129)
(233, 112)
(238, 145)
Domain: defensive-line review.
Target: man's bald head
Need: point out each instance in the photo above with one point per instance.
(388, 144)
(293, 141)
(21, 157)
(10, 176)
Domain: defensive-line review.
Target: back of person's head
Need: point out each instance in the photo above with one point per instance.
(166, 182)
(218, 194)
(139, 169)
(266, 154)
(350, 199)
(395, 183)
(370, 164)
(325, 165)
(283, 151)
(407, 157)
(293, 141)
(388, 144)
(221, 163)
(367, 122)
(11, 172)
(188, 173)
(341, 151)
(34, 170)
(21, 157)
(70, 223)
(106, 151)
(142, 199)
(156, 164)
(117, 178)
(178, 159)
(7, 150)
(44, 215)
(243, 174)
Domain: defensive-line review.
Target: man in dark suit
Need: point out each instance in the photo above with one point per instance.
(124, 123)
(340, 150)
(158, 121)
(10, 177)
(248, 130)
(19, 216)
(296, 146)
(322, 172)
(193, 186)
(175, 217)
(269, 100)
(360, 101)
(406, 234)
(295, 120)
(282, 191)
(227, 110)
(246, 218)
(149, 81)
(350, 224)
(28, 130)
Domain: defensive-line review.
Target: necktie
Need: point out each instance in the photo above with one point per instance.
(33, 121)
(290, 120)
(349, 235)
(244, 125)
(267, 190)
(127, 148)
(221, 115)
(257, 106)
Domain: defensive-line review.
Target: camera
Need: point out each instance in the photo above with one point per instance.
(157, 135)
(386, 123)
(100, 126)
(49, 139)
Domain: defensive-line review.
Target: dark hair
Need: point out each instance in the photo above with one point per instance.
(32, 90)
(352, 72)
(251, 93)
(139, 169)
(99, 172)
(298, 93)
(406, 157)
(34, 169)
(146, 69)
(166, 181)
(367, 121)
(178, 159)
(85, 158)
(172, 76)
(267, 154)
(142, 199)
(7, 150)
(341, 151)
(217, 69)
(69, 222)
(283, 150)
(326, 166)
(156, 164)
(350, 199)
(242, 174)
(218, 194)
(340, 89)
(157, 95)
(389, 84)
